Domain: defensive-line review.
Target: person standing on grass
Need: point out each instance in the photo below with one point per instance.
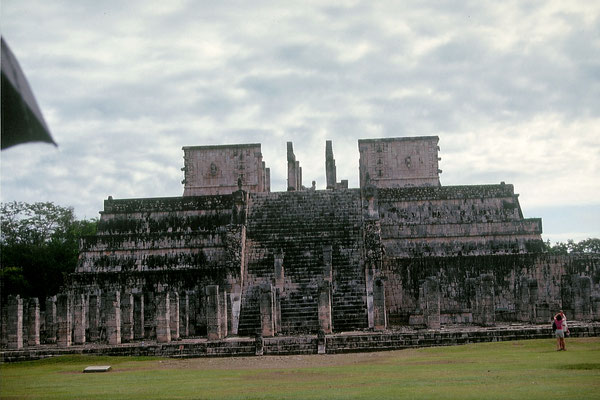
(564, 323)
(560, 334)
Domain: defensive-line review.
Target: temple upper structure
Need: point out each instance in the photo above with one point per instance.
(219, 169)
(399, 162)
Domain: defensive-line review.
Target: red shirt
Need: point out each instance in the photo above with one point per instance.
(558, 323)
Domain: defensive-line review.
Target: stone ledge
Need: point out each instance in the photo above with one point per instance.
(346, 342)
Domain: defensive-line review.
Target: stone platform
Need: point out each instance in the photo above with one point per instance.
(346, 342)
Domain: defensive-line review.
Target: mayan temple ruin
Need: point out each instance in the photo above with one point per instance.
(230, 258)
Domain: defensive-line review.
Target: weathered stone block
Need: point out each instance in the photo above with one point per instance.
(111, 311)
(485, 296)
(321, 342)
(266, 310)
(174, 315)
(213, 312)
(138, 316)
(50, 325)
(94, 317)
(79, 318)
(127, 316)
(163, 317)
(15, 322)
(325, 307)
(33, 322)
(431, 310)
(184, 314)
(64, 317)
(379, 311)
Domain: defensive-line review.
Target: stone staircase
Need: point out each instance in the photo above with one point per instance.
(300, 225)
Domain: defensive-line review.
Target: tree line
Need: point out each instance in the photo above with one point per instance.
(39, 246)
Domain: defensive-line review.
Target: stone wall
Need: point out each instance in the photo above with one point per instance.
(455, 220)
(216, 169)
(399, 162)
(526, 287)
(158, 234)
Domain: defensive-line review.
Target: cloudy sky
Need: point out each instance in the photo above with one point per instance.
(511, 88)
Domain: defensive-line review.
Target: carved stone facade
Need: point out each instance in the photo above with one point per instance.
(227, 260)
(217, 169)
(399, 162)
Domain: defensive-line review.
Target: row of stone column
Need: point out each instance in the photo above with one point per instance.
(576, 299)
(483, 309)
(21, 322)
(112, 317)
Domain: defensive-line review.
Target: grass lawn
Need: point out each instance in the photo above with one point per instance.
(529, 369)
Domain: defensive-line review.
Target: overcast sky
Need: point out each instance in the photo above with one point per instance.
(511, 88)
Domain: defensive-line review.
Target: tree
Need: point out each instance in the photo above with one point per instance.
(39, 245)
(590, 245)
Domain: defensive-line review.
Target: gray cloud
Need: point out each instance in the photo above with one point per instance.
(511, 89)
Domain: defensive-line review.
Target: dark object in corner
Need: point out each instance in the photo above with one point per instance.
(22, 120)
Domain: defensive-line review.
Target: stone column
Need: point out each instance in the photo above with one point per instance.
(327, 263)
(213, 312)
(15, 322)
(127, 316)
(33, 319)
(330, 170)
(4, 324)
(163, 317)
(595, 300)
(174, 314)
(582, 296)
(278, 269)
(194, 301)
(259, 345)
(266, 310)
(149, 315)
(138, 316)
(50, 317)
(268, 181)
(184, 315)
(64, 319)
(79, 318)
(292, 173)
(321, 342)
(235, 299)
(325, 307)
(223, 303)
(277, 305)
(431, 312)
(379, 311)
(526, 300)
(264, 177)
(485, 310)
(93, 318)
(369, 285)
(111, 305)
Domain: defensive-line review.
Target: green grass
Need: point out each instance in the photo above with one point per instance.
(508, 370)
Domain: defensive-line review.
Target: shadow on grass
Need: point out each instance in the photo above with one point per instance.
(583, 366)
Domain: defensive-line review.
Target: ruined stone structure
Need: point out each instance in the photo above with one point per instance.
(216, 169)
(230, 257)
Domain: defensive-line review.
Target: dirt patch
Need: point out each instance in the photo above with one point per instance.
(286, 362)
(437, 362)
